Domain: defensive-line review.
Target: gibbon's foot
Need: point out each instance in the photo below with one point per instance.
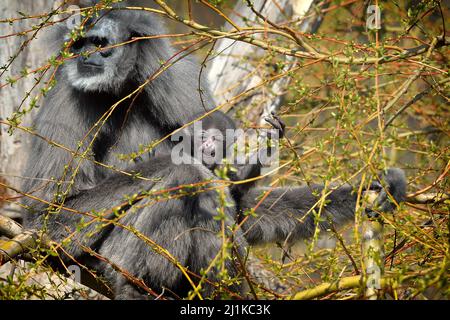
(276, 122)
(378, 188)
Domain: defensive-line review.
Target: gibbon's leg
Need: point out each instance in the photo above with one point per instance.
(186, 226)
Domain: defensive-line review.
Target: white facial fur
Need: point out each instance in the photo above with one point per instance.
(117, 66)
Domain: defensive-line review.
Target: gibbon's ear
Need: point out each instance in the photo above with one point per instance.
(144, 23)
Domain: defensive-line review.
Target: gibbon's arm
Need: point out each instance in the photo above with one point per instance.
(51, 169)
(286, 215)
(253, 169)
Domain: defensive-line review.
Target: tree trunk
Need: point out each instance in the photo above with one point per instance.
(230, 74)
(12, 155)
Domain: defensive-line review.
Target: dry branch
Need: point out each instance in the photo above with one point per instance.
(9, 228)
(428, 198)
(327, 288)
(19, 241)
(18, 245)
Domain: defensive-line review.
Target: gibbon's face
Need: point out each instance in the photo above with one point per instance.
(102, 64)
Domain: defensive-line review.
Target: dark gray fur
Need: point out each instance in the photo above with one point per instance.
(220, 123)
(204, 144)
(185, 226)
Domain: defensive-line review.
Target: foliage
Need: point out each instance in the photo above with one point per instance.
(358, 101)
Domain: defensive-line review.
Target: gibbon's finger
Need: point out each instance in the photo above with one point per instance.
(277, 125)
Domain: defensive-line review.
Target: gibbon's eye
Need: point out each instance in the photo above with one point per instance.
(79, 44)
(98, 41)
